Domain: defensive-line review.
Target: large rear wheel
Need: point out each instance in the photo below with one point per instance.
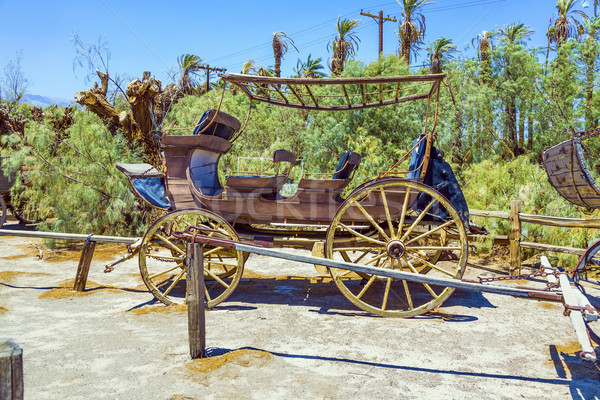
(162, 258)
(395, 224)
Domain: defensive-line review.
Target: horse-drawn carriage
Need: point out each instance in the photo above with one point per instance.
(410, 219)
(400, 220)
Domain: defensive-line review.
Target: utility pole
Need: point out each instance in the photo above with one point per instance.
(381, 20)
(208, 69)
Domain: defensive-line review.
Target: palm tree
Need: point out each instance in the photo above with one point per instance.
(565, 25)
(249, 67)
(515, 33)
(411, 30)
(590, 57)
(512, 35)
(309, 69)
(483, 44)
(344, 45)
(190, 66)
(280, 47)
(438, 50)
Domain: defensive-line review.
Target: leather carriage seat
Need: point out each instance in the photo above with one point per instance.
(349, 161)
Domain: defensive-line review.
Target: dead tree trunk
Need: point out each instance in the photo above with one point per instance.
(11, 123)
(145, 97)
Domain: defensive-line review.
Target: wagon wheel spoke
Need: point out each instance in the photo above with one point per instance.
(360, 235)
(430, 232)
(167, 271)
(404, 210)
(370, 219)
(427, 263)
(419, 219)
(388, 216)
(169, 244)
(426, 285)
(367, 286)
(175, 282)
(407, 293)
(386, 293)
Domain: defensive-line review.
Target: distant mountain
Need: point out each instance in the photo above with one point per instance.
(43, 101)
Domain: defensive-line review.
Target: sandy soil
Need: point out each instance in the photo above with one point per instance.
(284, 333)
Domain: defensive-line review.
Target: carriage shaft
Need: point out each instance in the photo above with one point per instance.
(388, 273)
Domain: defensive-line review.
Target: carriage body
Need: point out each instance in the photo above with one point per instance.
(388, 221)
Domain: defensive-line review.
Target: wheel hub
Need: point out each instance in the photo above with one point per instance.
(396, 248)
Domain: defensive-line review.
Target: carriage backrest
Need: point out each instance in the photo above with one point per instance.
(348, 163)
(204, 173)
(179, 153)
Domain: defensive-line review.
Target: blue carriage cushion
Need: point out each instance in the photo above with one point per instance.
(223, 125)
(204, 172)
(152, 189)
(348, 162)
(416, 158)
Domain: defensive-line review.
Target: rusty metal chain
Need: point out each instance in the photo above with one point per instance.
(588, 134)
(514, 277)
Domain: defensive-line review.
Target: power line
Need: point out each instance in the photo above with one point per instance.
(323, 25)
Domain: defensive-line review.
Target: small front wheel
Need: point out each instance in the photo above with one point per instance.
(162, 258)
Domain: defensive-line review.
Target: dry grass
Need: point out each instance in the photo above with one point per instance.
(65, 290)
(8, 275)
(243, 357)
(159, 309)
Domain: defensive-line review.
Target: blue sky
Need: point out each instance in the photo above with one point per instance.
(149, 35)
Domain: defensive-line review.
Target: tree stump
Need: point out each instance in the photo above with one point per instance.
(11, 370)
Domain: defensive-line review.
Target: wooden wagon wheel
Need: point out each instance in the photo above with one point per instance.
(588, 266)
(391, 224)
(27, 215)
(161, 258)
(3, 211)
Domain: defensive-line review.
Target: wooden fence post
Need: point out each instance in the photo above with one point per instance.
(515, 238)
(195, 300)
(11, 370)
(84, 265)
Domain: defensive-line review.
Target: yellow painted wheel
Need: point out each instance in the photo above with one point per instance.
(161, 258)
(392, 224)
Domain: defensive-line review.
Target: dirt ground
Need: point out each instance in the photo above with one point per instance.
(284, 333)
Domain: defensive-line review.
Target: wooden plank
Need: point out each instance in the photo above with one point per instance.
(489, 214)
(195, 300)
(11, 370)
(552, 248)
(561, 222)
(390, 273)
(577, 321)
(67, 236)
(84, 266)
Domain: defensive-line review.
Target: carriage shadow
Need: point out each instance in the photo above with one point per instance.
(321, 295)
